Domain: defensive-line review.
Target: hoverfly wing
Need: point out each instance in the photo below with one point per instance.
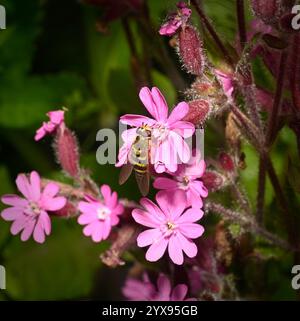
(143, 182)
(126, 171)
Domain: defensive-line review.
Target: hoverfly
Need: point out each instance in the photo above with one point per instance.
(138, 160)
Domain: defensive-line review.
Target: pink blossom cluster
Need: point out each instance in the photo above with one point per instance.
(145, 290)
(172, 220)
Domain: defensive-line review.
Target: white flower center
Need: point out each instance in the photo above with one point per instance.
(33, 208)
(103, 213)
(169, 228)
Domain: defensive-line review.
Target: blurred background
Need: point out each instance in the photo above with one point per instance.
(92, 57)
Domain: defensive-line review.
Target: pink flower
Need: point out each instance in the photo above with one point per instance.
(137, 290)
(176, 20)
(100, 216)
(169, 227)
(29, 214)
(186, 178)
(56, 119)
(167, 131)
(226, 81)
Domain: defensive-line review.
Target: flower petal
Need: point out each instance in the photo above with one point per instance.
(171, 203)
(165, 183)
(136, 120)
(188, 246)
(145, 218)
(23, 185)
(27, 232)
(54, 204)
(191, 230)
(11, 214)
(153, 209)
(157, 250)
(180, 146)
(14, 200)
(175, 250)
(148, 237)
(190, 216)
(178, 113)
(164, 286)
(35, 182)
(179, 292)
(50, 190)
(160, 104)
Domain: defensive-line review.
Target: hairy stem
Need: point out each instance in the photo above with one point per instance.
(261, 190)
(273, 119)
(248, 223)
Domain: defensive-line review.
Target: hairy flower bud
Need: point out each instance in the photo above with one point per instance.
(226, 162)
(190, 50)
(198, 112)
(67, 154)
(213, 180)
(268, 11)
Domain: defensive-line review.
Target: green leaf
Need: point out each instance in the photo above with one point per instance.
(61, 268)
(25, 104)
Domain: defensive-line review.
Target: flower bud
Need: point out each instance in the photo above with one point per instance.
(198, 112)
(268, 11)
(226, 162)
(67, 154)
(190, 50)
(213, 181)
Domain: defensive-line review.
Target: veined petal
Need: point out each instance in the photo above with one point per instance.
(164, 286)
(153, 209)
(180, 146)
(183, 128)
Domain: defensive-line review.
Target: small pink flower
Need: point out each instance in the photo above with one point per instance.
(176, 20)
(186, 178)
(56, 119)
(29, 214)
(167, 131)
(100, 216)
(226, 81)
(136, 290)
(169, 227)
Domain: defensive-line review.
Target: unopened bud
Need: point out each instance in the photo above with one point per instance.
(198, 112)
(213, 181)
(268, 11)
(226, 162)
(67, 153)
(190, 50)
